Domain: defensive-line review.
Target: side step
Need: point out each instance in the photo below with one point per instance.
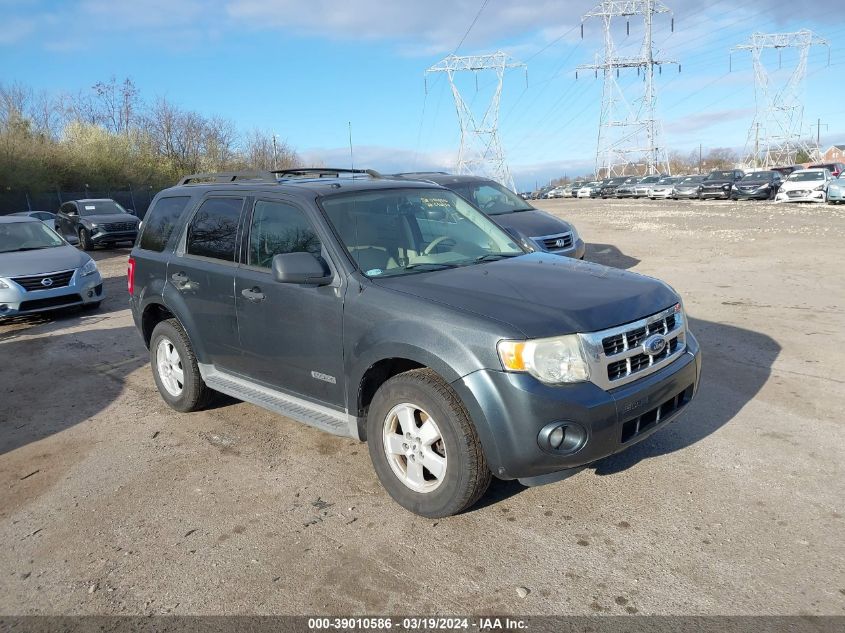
(320, 417)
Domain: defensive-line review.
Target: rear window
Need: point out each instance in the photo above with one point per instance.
(160, 221)
(214, 228)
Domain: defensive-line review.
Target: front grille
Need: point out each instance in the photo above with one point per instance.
(797, 193)
(634, 364)
(555, 242)
(35, 282)
(50, 302)
(616, 356)
(652, 417)
(116, 227)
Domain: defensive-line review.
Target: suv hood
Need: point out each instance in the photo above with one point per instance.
(44, 260)
(533, 223)
(110, 217)
(721, 181)
(542, 295)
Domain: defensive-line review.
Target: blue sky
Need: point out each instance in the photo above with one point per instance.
(305, 69)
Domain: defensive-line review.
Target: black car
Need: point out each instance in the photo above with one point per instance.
(96, 222)
(608, 189)
(786, 170)
(546, 231)
(719, 183)
(393, 311)
(758, 185)
(627, 188)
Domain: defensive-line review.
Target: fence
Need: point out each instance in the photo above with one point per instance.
(136, 198)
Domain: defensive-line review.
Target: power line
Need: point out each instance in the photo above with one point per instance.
(472, 24)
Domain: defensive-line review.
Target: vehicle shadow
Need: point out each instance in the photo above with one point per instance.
(736, 364)
(609, 255)
(46, 381)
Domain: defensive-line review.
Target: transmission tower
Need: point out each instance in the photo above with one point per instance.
(775, 136)
(481, 150)
(629, 131)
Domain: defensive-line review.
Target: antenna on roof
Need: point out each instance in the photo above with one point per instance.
(351, 158)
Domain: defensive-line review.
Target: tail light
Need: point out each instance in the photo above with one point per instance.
(130, 276)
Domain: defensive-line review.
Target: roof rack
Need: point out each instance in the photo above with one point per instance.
(423, 173)
(322, 172)
(228, 176)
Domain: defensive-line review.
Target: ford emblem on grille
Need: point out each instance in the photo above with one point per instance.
(46, 282)
(653, 345)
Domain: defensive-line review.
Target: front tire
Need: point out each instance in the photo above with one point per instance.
(175, 369)
(424, 447)
(85, 240)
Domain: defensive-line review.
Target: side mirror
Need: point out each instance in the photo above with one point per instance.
(300, 268)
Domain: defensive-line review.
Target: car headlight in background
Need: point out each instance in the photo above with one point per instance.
(89, 268)
(3, 285)
(554, 361)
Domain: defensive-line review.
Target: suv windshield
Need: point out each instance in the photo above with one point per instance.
(720, 175)
(758, 176)
(100, 207)
(804, 176)
(27, 236)
(399, 231)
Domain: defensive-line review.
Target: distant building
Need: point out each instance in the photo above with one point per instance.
(834, 153)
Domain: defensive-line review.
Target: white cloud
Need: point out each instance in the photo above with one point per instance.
(386, 160)
(14, 30)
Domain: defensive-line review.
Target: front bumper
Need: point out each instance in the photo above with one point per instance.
(756, 194)
(717, 194)
(16, 301)
(659, 193)
(809, 196)
(99, 236)
(679, 194)
(836, 195)
(511, 409)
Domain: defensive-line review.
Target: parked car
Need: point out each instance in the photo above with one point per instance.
(836, 190)
(786, 170)
(805, 185)
(664, 187)
(719, 183)
(573, 190)
(835, 169)
(687, 187)
(544, 231)
(589, 190)
(457, 355)
(45, 216)
(608, 189)
(96, 222)
(642, 187)
(40, 271)
(626, 189)
(758, 185)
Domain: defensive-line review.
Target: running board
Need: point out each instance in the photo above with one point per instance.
(320, 417)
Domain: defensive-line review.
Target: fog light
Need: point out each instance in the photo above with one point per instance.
(562, 438)
(90, 293)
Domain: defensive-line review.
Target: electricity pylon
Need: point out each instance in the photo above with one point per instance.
(776, 132)
(481, 151)
(629, 131)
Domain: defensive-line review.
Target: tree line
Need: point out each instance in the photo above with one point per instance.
(108, 136)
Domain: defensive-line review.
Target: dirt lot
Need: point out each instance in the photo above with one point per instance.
(112, 503)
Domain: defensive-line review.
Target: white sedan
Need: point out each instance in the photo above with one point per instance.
(805, 185)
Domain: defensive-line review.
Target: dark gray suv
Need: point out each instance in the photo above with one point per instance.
(394, 311)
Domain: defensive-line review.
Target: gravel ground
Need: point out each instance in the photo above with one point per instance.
(111, 503)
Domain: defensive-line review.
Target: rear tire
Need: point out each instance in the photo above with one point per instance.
(175, 369)
(424, 447)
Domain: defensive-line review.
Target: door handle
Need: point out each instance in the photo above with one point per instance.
(253, 294)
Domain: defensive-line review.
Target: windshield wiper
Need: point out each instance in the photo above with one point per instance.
(27, 248)
(435, 265)
(489, 257)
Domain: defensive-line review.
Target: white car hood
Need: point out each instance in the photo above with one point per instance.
(805, 185)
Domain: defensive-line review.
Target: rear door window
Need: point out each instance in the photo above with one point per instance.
(213, 231)
(160, 221)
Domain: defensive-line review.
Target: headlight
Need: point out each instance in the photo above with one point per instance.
(3, 285)
(574, 234)
(819, 188)
(94, 225)
(554, 361)
(726, 186)
(89, 268)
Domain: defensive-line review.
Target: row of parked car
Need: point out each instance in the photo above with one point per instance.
(817, 183)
